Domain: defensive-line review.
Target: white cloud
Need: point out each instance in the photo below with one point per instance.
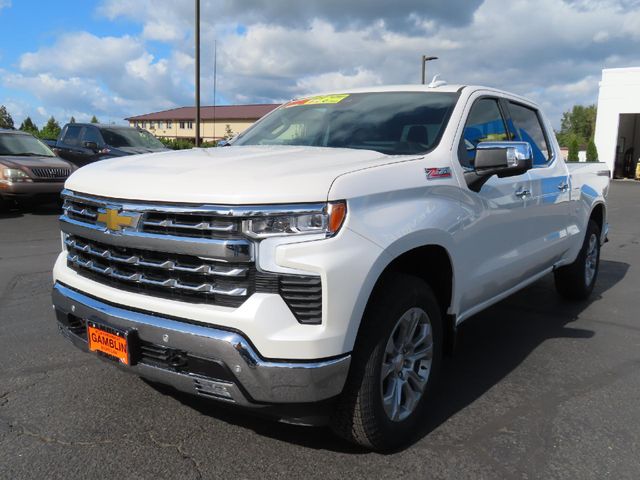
(5, 4)
(551, 50)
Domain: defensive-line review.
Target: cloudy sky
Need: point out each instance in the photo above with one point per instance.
(116, 58)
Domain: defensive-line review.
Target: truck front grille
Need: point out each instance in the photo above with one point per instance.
(179, 277)
(51, 173)
(190, 253)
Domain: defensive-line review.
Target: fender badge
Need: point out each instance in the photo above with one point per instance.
(438, 173)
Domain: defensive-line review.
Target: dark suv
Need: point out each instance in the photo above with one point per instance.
(83, 143)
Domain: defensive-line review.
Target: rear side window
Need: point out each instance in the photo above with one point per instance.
(484, 124)
(72, 135)
(527, 124)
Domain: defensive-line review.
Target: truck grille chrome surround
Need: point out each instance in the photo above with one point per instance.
(194, 254)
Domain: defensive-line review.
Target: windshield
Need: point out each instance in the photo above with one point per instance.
(21, 145)
(393, 123)
(129, 137)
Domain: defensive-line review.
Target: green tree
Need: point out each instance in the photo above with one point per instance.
(72, 119)
(51, 130)
(94, 119)
(592, 152)
(6, 121)
(28, 126)
(573, 150)
(228, 133)
(578, 122)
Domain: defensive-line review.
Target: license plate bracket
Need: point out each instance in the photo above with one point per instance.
(114, 343)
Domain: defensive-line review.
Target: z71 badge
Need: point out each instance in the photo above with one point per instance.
(437, 173)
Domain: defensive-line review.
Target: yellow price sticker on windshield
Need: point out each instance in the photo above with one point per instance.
(320, 100)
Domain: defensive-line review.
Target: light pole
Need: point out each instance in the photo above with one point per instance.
(197, 73)
(426, 59)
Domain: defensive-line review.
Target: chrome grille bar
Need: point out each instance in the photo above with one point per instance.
(134, 260)
(171, 283)
(201, 226)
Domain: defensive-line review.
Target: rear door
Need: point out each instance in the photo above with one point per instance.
(69, 144)
(495, 240)
(550, 192)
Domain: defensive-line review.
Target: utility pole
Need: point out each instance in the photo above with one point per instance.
(426, 59)
(215, 68)
(197, 73)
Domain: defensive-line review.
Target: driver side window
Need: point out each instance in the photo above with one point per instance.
(484, 124)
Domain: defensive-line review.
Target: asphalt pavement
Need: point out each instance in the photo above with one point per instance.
(538, 388)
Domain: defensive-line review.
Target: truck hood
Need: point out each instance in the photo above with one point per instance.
(226, 175)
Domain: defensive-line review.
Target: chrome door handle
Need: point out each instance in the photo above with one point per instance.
(523, 193)
(563, 187)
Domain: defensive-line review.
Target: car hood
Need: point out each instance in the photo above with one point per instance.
(225, 175)
(33, 162)
(135, 150)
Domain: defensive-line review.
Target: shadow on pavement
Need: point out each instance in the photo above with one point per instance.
(490, 346)
(16, 211)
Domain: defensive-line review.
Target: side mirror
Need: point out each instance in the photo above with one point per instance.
(92, 146)
(504, 159)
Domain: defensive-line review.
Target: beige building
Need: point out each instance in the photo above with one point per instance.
(215, 122)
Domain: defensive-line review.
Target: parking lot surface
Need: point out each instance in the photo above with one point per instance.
(538, 388)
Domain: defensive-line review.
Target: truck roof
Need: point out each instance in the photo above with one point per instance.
(449, 88)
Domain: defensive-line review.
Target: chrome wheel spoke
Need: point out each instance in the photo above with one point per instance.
(387, 368)
(426, 352)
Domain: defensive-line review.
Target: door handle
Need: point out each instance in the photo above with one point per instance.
(523, 193)
(563, 187)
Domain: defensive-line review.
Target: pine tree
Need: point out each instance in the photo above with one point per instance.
(574, 147)
(592, 152)
(28, 126)
(72, 119)
(51, 130)
(6, 121)
(94, 119)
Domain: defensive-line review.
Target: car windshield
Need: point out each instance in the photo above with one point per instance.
(129, 137)
(23, 145)
(393, 123)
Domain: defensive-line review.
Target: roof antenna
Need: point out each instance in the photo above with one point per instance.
(435, 82)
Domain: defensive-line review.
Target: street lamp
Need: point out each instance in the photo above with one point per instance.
(426, 59)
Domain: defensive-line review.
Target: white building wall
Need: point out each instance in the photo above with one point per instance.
(619, 93)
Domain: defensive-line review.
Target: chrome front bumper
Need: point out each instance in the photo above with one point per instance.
(250, 380)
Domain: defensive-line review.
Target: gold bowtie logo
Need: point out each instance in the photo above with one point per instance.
(114, 221)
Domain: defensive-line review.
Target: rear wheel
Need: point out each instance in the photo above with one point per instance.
(394, 366)
(576, 281)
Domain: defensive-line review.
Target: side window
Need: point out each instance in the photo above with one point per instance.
(72, 135)
(484, 124)
(92, 134)
(529, 129)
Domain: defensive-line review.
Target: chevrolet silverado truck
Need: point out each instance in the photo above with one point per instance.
(317, 268)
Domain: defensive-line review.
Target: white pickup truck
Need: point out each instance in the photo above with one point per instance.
(317, 267)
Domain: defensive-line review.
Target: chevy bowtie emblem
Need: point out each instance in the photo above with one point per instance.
(115, 221)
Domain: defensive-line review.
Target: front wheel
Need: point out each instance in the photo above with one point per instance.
(576, 281)
(394, 365)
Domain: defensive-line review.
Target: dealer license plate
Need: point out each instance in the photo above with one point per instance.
(109, 341)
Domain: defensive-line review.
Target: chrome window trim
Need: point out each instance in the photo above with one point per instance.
(200, 209)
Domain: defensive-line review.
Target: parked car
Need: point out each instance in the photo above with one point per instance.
(29, 170)
(319, 266)
(84, 143)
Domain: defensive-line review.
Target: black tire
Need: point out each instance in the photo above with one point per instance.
(360, 415)
(572, 281)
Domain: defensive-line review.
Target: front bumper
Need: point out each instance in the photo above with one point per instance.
(234, 371)
(30, 189)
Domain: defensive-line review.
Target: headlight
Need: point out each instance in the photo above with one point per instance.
(326, 220)
(14, 175)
